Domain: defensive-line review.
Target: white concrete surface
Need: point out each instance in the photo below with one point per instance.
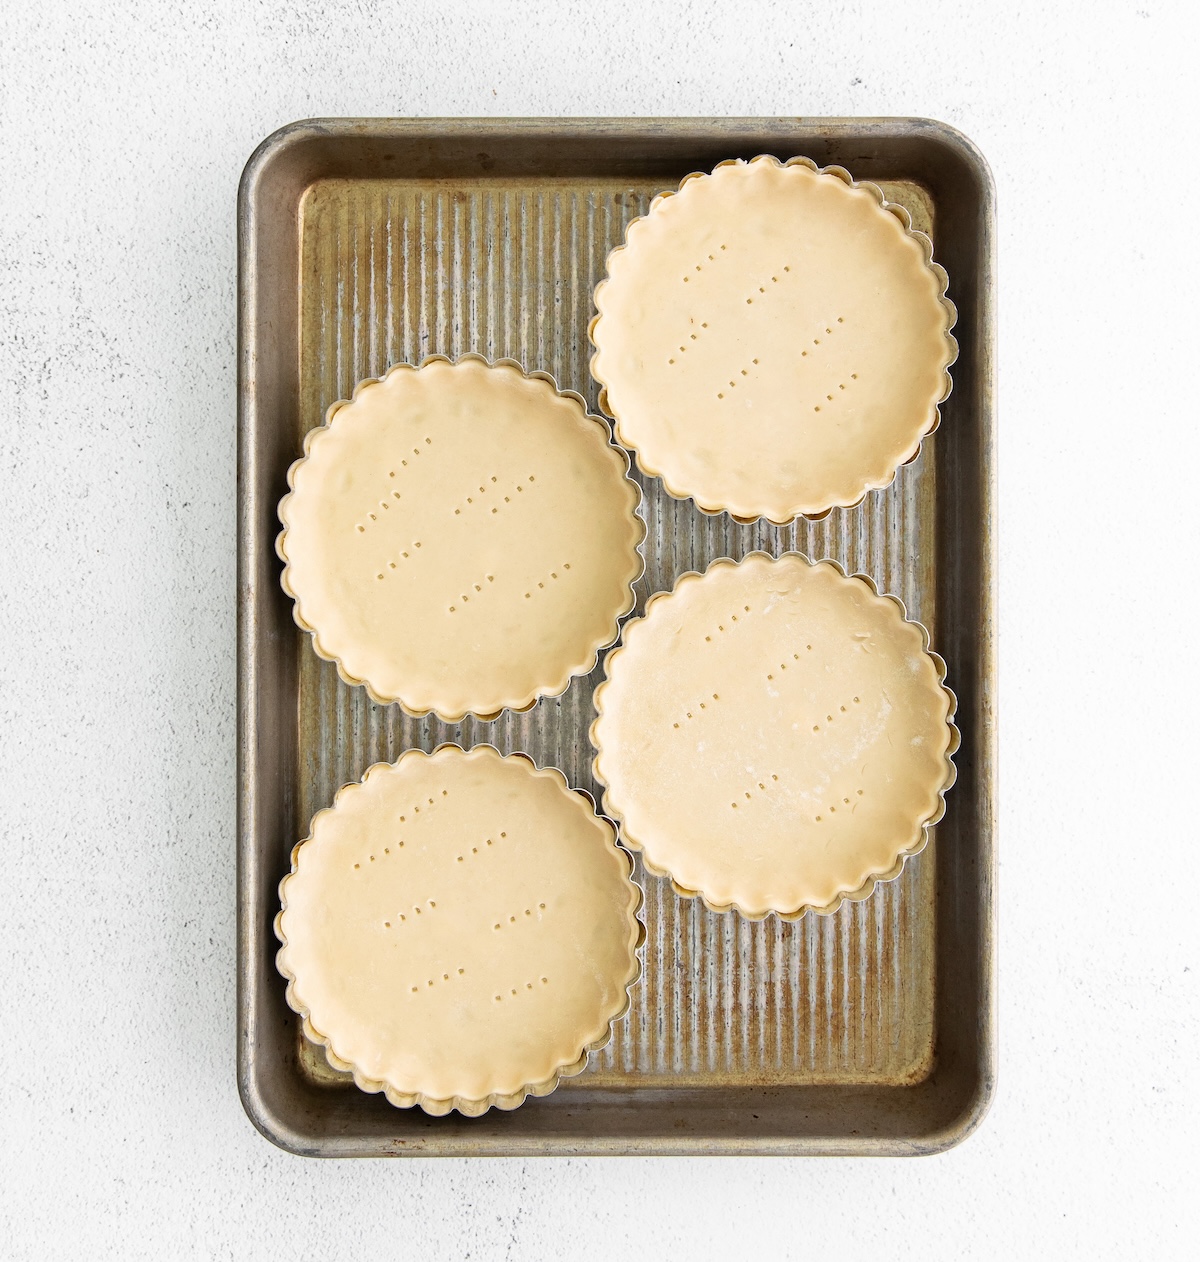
(123, 129)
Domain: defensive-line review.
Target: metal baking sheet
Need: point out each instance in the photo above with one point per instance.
(365, 242)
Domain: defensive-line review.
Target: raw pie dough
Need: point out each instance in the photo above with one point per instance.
(460, 537)
(772, 340)
(774, 735)
(459, 929)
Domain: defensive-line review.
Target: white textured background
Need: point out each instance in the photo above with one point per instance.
(123, 130)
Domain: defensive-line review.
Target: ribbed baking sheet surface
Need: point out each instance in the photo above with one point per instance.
(395, 270)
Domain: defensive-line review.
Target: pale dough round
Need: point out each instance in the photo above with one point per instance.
(459, 929)
(772, 341)
(461, 538)
(773, 735)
